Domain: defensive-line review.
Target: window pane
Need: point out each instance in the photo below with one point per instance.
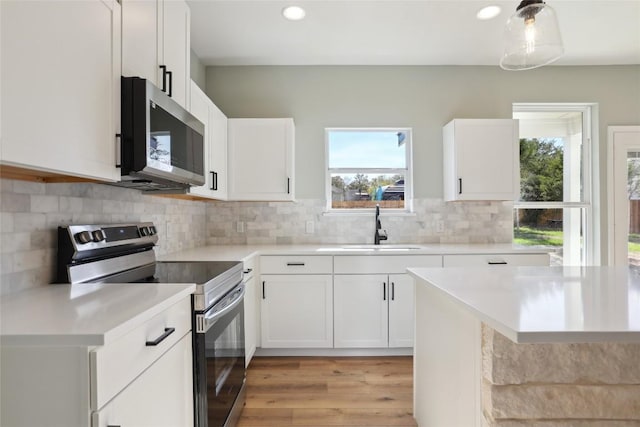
(367, 149)
(560, 230)
(551, 156)
(541, 170)
(633, 191)
(358, 191)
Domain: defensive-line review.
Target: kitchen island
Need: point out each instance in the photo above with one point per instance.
(527, 346)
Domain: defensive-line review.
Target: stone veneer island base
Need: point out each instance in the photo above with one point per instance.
(522, 347)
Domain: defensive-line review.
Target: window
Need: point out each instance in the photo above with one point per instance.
(555, 206)
(367, 167)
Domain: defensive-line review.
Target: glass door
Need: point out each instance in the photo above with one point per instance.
(624, 191)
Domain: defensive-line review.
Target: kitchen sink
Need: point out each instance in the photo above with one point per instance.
(370, 248)
(381, 247)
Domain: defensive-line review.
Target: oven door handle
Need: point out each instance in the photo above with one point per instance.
(228, 304)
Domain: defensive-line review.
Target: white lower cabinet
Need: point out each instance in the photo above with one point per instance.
(297, 311)
(373, 310)
(143, 378)
(401, 310)
(161, 396)
(482, 260)
(250, 311)
(361, 310)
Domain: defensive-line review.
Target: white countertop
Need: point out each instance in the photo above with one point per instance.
(545, 304)
(84, 314)
(243, 252)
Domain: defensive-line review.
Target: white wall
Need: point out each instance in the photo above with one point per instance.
(421, 97)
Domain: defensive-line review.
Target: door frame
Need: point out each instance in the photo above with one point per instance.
(617, 234)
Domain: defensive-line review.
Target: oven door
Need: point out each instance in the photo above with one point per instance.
(219, 366)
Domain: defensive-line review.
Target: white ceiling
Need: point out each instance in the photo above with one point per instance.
(400, 32)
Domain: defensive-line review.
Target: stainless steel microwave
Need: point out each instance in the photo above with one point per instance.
(162, 144)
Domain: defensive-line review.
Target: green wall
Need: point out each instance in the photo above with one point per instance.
(421, 97)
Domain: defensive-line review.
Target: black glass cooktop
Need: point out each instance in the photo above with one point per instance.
(198, 272)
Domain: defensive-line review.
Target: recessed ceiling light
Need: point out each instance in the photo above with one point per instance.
(488, 12)
(293, 13)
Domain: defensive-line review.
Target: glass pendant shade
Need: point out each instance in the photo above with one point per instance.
(531, 37)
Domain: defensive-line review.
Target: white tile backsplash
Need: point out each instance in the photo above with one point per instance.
(284, 223)
(30, 213)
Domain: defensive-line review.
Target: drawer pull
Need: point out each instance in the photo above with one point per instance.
(167, 332)
(497, 262)
(248, 270)
(295, 264)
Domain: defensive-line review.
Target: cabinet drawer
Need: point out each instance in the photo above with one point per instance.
(115, 365)
(249, 265)
(161, 396)
(513, 260)
(383, 264)
(291, 264)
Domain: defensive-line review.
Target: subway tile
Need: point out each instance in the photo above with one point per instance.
(6, 222)
(29, 187)
(44, 203)
(14, 242)
(14, 202)
(30, 222)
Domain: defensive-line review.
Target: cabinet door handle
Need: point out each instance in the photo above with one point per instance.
(497, 262)
(248, 270)
(384, 291)
(295, 264)
(167, 332)
(170, 74)
(393, 291)
(214, 181)
(264, 292)
(118, 150)
(459, 185)
(288, 185)
(164, 77)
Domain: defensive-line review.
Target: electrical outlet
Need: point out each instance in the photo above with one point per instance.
(440, 226)
(240, 227)
(310, 227)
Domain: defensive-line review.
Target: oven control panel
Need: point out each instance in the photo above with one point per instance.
(83, 235)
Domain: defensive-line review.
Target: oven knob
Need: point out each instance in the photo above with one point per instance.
(152, 230)
(83, 237)
(98, 236)
(144, 231)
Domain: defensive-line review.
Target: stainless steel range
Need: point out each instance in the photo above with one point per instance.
(120, 253)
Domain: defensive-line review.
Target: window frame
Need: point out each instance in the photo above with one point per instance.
(590, 171)
(408, 172)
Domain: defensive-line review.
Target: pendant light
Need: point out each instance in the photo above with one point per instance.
(531, 37)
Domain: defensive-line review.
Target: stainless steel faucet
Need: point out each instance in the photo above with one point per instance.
(380, 234)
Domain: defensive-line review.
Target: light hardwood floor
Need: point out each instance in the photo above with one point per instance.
(321, 391)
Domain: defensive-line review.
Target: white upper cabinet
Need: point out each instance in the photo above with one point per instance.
(215, 147)
(261, 159)
(481, 159)
(156, 44)
(61, 86)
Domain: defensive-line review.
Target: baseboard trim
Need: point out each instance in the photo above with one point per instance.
(337, 352)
